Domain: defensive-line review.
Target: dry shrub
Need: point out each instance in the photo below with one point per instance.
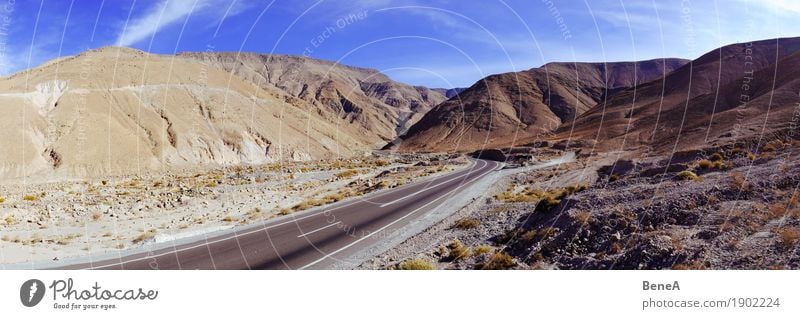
(499, 261)
(772, 146)
(776, 210)
(705, 164)
(230, 219)
(787, 237)
(546, 204)
(347, 174)
(616, 248)
(255, 213)
(467, 223)
(482, 249)
(145, 236)
(687, 176)
(738, 181)
(457, 251)
(416, 264)
(583, 217)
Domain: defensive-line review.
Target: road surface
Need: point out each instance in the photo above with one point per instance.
(315, 239)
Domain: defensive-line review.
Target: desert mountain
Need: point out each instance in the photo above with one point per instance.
(727, 94)
(509, 107)
(382, 108)
(449, 93)
(120, 111)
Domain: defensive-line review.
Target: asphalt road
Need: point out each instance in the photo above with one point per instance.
(315, 239)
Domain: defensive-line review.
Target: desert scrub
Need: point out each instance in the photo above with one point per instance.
(705, 164)
(36, 238)
(381, 163)
(787, 237)
(482, 250)
(29, 198)
(582, 217)
(739, 182)
(615, 248)
(416, 264)
(527, 195)
(467, 223)
(2, 199)
(144, 236)
(346, 174)
(539, 235)
(499, 261)
(546, 204)
(457, 251)
(230, 219)
(313, 202)
(772, 146)
(553, 198)
(255, 213)
(66, 240)
(687, 176)
(10, 220)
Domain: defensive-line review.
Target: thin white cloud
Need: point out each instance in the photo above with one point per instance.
(164, 13)
(786, 6)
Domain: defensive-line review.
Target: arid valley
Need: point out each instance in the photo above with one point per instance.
(660, 174)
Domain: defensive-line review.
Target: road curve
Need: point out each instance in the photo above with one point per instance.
(315, 239)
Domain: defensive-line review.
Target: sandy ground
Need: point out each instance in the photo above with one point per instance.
(53, 221)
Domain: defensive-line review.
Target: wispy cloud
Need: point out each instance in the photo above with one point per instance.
(163, 14)
(784, 6)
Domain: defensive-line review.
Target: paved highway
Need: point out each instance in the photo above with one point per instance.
(314, 239)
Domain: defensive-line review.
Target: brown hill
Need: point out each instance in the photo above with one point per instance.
(505, 108)
(120, 111)
(381, 107)
(722, 95)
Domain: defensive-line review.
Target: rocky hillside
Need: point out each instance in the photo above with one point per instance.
(382, 108)
(505, 108)
(725, 95)
(123, 111)
(449, 93)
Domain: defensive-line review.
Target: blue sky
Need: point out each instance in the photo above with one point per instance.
(437, 43)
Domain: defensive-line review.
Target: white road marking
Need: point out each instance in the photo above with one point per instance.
(429, 188)
(392, 223)
(236, 235)
(318, 229)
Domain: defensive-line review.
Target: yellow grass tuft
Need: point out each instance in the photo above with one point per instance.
(416, 264)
